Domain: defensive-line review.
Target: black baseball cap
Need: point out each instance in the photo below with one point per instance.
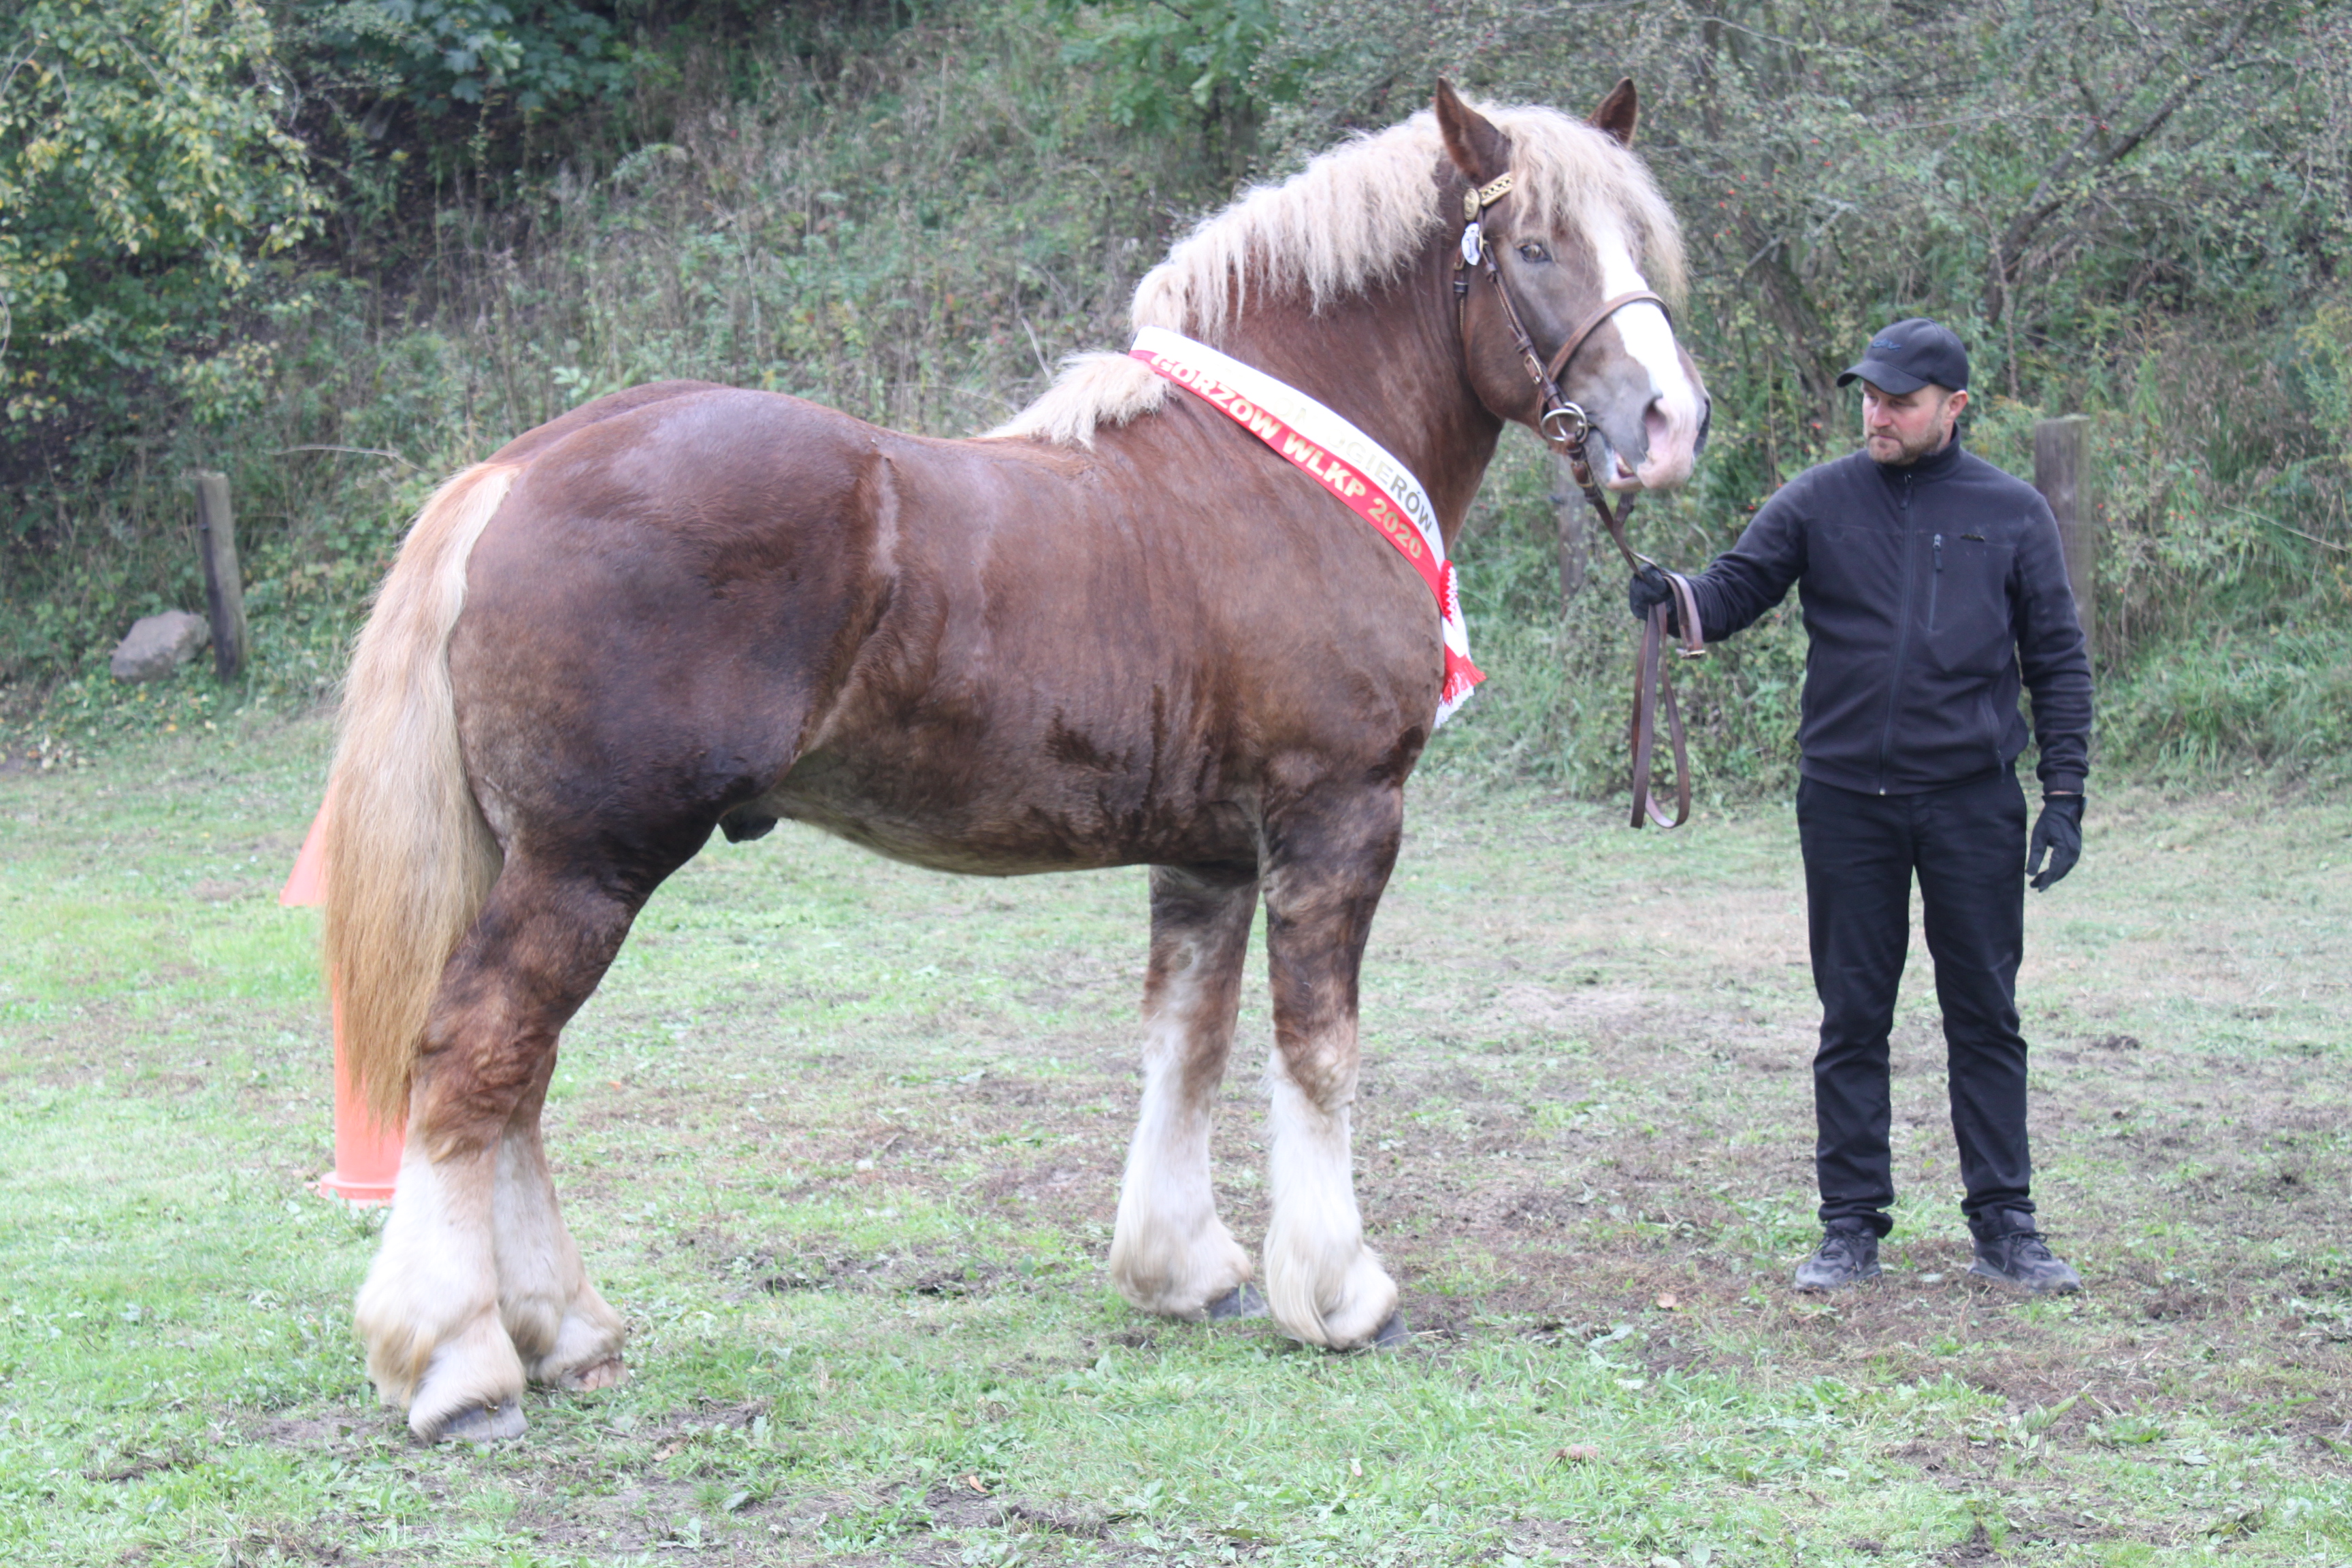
(1911, 354)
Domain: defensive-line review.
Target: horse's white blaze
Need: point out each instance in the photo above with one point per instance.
(559, 1324)
(1169, 1253)
(428, 1312)
(1672, 418)
(1323, 1285)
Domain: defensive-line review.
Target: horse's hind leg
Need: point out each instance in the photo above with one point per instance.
(561, 1327)
(435, 1317)
(1170, 1254)
(1328, 865)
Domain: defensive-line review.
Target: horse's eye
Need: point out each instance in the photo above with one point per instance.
(1531, 251)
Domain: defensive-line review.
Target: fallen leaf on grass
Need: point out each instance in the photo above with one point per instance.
(973, 1482)
(1576, 1454)
(1666, 1300)
(2244, 1521)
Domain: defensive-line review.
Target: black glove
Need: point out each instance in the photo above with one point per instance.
(2058, 831)
(1648, 587)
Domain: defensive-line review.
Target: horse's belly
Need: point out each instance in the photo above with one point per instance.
(1003, 827)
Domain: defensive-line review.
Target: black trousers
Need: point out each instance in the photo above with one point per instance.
(1967, 844)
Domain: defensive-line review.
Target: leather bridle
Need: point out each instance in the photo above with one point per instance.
(1568, 428)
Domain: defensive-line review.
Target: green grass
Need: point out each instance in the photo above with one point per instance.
(841, 1140)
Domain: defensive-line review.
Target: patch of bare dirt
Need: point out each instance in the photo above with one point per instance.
(139, 1466)
(938, 1272)
(967, 1504)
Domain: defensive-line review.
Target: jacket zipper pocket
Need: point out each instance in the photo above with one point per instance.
(1936, 582)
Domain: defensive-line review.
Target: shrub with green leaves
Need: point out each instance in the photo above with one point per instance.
(1169, 69)
(144, 176)
(445, 57)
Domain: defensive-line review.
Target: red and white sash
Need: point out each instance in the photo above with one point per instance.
(1358, 470)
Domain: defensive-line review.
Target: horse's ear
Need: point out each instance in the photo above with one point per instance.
(1618, 112)
(1476, 148)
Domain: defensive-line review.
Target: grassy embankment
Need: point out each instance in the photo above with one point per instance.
(841, 1140)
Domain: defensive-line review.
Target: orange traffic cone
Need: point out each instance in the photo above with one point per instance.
(367, 1157)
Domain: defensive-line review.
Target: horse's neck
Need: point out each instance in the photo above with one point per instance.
(1390, 362)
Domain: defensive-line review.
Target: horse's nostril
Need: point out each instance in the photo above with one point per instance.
(1657, 427)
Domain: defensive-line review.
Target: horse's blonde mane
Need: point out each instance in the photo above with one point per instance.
(1348, 221)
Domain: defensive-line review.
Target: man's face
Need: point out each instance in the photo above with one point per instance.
(1904, 427)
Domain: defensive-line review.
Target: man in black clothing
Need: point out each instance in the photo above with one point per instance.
(1931, 583)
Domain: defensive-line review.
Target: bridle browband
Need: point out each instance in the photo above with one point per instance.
(1567, 427)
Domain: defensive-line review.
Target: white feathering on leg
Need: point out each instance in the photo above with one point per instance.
(428, 1312)
(1169, 1252)
(560, 1325)
(1323, 1285)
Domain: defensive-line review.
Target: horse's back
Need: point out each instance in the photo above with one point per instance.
(524, 447)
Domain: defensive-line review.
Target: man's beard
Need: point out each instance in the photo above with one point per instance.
(1905, 456)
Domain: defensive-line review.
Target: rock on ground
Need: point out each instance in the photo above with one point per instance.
(158, 645)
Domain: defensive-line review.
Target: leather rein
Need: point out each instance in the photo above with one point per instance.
(1567, 427)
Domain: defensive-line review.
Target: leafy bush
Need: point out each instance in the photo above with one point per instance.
(2326, 340)
(443, 57)
(1168, 70)
(143, 178)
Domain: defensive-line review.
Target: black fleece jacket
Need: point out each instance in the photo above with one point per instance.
(1928, 590)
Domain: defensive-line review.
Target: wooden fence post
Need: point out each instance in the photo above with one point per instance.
(2061, 447)
(1575, 532)
(224, 588)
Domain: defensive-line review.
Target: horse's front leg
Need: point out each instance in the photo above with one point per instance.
(1170, 1254)
(1326, 867)
(477, 1283)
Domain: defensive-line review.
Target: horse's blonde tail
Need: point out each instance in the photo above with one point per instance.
(409, 858)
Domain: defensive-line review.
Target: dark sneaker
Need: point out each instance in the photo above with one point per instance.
(2019, 1256)
(1845, 1258)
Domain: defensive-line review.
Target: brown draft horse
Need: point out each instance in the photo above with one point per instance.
(1119, 630)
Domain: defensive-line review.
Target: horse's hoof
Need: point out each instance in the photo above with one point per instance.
(1242, 1301)
(482, 1423)
(596, 1374)
(1392, 1334)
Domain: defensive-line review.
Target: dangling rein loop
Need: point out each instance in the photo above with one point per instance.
(1568, 428)
(1654, 682)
